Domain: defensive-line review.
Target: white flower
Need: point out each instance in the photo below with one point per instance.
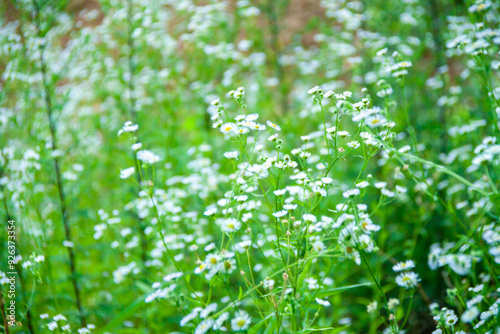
(405, 149)
(171, 277)
(241, 131)
(187, 318)
(450, 318)
(241, 198)
(362, 184)
(331, 130)
(459, 263)
(392, 303)
(479, 324)
(407, 280)
(228, 128)
(210, 212)
(274, 126)
(353, 144)
(232, 154)
(268, 284)
(252, 117)
(68, 244)
(280, 214)
(204, 326)
(351, 193)
(318, 246)
(474, 301)
(312, 283)
(477, 288)
(375, 121)
(230, 225)
(387, 192)
(127, 172)
(401, 189)
(220, 321)
(404, 64)
(326, 180)
(279, 192)
(241, 321)
(313, 90)
(491, 312)
(147, 157)
(259, 127)
(372, 307)
(136, 146)
(382, 52)
(401, 266)
(52, 325)
(130, 127)
(273, 137)
(309, 218)
(343, 134)
(209, 309)
(245, 244)
(323, 302)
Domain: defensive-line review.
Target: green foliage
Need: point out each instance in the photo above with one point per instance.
(271, 166)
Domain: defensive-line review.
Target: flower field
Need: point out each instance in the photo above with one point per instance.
(264, 166)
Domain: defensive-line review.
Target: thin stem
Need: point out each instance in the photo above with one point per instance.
(59, 182)
(375, 280)
(443, 169)
(18, 270)
(133, 114)
(410, 127)
(324, 129)
(2, 309)
(407, 312)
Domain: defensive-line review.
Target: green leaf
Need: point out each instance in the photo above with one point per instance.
(258, 325)
(271, 327)
(495, 199)
(304, 273)
(329, 292)
(310, 330)
(120, 317)
(240, 295)
(143, 286)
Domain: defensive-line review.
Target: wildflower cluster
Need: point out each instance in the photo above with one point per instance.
(241, 166)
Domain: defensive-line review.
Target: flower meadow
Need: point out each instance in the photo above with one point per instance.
(267, 166)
